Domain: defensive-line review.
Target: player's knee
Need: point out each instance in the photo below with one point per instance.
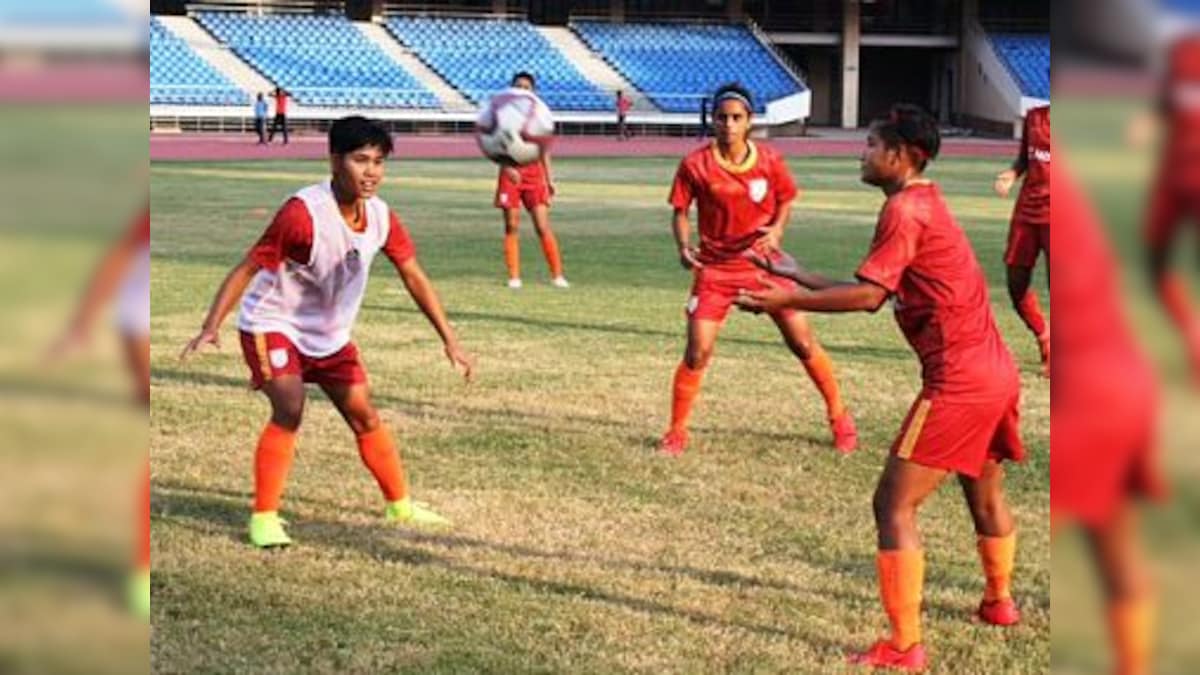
(697, 358)
(288, 415)
(891, 514)
(364, 421)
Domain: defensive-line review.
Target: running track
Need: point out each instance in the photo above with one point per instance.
(220, 147)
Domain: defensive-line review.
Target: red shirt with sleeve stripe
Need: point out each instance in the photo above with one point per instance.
(733, 201)
(923, 258)
(1181, 107)
(290, 237)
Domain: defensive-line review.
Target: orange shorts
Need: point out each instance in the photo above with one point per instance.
(1025, 241)
(960, 436)
(716, 287)
(511, 194)
(272, 355)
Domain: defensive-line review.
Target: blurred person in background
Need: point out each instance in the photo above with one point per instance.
(260, 119)
(624, 103)
(1029, 231)
(124, 273)
(1175, 193)
(280, 123)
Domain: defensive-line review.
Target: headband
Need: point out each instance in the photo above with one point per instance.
(734, 96)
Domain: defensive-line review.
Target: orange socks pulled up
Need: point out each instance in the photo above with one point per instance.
(272, 461)
(512, 255)
(553, 257)
(685, 389)
(379, 453)
(997, 555)
(901, 578)
(820, 369)
(1131, 625)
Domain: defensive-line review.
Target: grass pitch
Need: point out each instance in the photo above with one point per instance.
(576, 548)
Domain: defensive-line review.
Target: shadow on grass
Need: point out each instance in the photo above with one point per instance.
(228, 509)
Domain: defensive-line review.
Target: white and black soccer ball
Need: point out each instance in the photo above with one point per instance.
(514, 128)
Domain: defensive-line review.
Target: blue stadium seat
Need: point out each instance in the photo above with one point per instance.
(1027, 58)
(479, 57)
(179, 76)
(677, 64)
(322, 60)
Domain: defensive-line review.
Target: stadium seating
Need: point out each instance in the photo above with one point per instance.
(1027, 58)
(322, 60)
(179, 76)
(678, 64)
(479, 57)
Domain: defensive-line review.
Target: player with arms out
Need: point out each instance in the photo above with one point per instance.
(306, 277)
(743, 192)
(532, 186)
(965, 420)
(1029, 230)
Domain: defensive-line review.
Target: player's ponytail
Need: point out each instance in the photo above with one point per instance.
(909, 127)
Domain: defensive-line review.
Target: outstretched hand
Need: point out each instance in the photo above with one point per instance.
(206, 336)
(770, 299)
(781, 264)
(460, 360)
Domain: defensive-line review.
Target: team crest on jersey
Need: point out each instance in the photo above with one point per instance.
(278, 357)
(1040, 155)
(353, 260)
(758, 189)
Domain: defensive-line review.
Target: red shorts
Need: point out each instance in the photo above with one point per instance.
(716, 287)
(510, 194)
(1025, 241)
(1170, 207)
(272, 355)
(954, 435)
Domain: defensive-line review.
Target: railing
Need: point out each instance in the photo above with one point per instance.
(795, 71)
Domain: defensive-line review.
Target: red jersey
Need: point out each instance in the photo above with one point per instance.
(290, 237)
(1181, 106)
(924, 259)
(281, 100)
(733, 201)
(1033, 204)
(624, 104)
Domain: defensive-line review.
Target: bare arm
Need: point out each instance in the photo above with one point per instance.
(852, 296)
(421, 289)
(681, 227)
(227, 296)
(100, 289)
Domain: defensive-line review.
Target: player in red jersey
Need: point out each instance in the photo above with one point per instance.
(1029, 231)
(1102, 462)
(743, 193)
(303, 284)
(531, 185)
(1175, 196)
(124, 274)
(964, 421)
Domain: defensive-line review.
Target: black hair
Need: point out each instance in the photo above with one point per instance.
(734, 88)
(910, 127)
(351, 133)
(524, 74)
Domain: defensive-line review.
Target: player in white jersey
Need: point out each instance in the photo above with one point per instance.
(306, 277)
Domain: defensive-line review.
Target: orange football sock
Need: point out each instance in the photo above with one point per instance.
(997, 555)
(379, 453)
(684, 392)
(512, 255)
(1131, 624)
(1030, 311)
(553, 257)
(820, 370)
(272, 460)
(143, 553)
(901, 577)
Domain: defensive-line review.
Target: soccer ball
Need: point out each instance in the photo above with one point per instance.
(514, 128)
